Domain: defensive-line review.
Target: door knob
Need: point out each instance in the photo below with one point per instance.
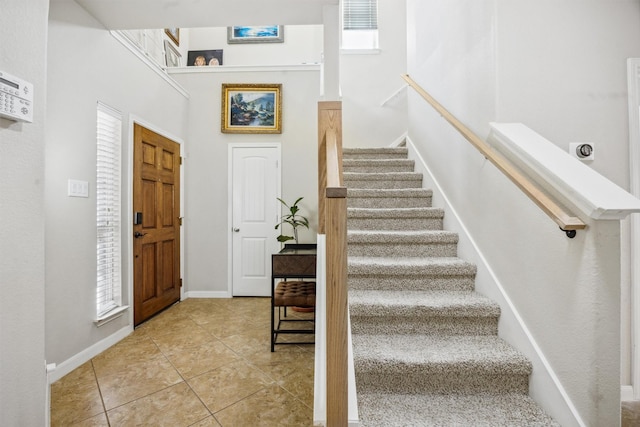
(138, 234)
(235, 230)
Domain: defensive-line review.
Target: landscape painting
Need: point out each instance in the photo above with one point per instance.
(251, 108)
(255, 34)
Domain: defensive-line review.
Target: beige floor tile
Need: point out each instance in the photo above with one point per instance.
(137, 380)
(136, 348)
(174, 406)
(249, 341)
(165, 323)
(197, 360)
(99, 420)
(75, 397)
(228, 384)
(270, 407)
(207, 422)
(300, 384)
(282, 362)
(180, 341)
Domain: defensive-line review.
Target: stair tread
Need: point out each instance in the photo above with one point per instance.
(352, 162)
(401, 236)
(381, 175)
(483, 409)
(378, 303)
(424, 212)
(439, 354)
(409, 265)
(356, 150)
(389, 192)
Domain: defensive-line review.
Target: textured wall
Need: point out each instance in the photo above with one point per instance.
(23, 31)
(508, 61)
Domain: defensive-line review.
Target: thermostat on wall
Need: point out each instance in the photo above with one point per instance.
(16, 98)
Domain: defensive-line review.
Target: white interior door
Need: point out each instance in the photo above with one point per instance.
(255, 187)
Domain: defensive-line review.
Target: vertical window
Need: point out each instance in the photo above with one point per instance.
(360, 24)
(108, 176)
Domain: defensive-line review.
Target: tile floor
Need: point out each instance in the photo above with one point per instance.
(202, 362)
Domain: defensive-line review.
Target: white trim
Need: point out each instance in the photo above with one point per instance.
(510, 308)
(633, 76)
(626, 393)
(394, 95)
(589, 191)
(244, 68)
(154, 66)
(401, 141)
(207, 294)
(128, 208)
(87, 354)
(230, 148)
(111, 315)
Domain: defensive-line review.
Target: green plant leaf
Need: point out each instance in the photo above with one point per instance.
(282, 238)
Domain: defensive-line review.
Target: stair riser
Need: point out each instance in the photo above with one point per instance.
(394, 224)
(402, 249)
(424, 325)
(388, 202)
(398, 379)
(383, 184)
(411, 283)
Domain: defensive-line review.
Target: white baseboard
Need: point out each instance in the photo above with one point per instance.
(207, 294)
(84, 356)
(400, 142)
(626, 393)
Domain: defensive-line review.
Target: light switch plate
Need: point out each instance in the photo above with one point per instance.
(78, 188)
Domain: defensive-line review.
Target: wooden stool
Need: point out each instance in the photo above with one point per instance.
(291, 294)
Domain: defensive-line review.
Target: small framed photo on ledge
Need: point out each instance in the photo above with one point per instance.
(204, 58)
(264, 34)
(251, 108)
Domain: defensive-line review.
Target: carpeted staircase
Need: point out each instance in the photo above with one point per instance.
(425, 345)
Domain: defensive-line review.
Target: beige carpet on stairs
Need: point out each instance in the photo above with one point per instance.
(425, 344)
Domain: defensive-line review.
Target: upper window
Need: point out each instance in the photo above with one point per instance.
(359, 24)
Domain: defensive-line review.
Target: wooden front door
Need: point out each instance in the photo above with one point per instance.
(156, 211)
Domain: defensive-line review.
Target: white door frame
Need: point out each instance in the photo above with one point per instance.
(633, 75)
(231, 146)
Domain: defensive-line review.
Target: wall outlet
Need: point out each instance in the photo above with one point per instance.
(78, 188)
(582, 150)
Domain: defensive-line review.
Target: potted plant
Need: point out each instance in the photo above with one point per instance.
(294, 219)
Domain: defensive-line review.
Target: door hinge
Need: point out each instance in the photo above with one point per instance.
(181, 282)
(180, 159)
(180, 221)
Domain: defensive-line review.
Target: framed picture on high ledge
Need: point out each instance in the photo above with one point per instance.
(251, 108)
(171, 55)
(248, 34)
(174, 34)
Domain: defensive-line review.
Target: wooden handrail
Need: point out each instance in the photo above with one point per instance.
(565, 220)
(332, 221)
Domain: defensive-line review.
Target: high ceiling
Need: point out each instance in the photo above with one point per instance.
(135, 14)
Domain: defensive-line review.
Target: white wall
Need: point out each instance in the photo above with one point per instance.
(558, 67)
(86, 65)
(302, 45)
(23, 31)
(206, 168)
(367, 80)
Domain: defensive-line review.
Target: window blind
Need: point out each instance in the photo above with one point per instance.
(108, 177)
(360, 14)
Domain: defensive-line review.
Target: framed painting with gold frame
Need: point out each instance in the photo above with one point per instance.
(174, 34)
(251, 108)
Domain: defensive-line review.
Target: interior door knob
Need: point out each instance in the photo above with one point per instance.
(235, 230)
(138, 234)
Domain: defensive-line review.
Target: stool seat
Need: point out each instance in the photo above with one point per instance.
(295, 293)
(298, 294)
